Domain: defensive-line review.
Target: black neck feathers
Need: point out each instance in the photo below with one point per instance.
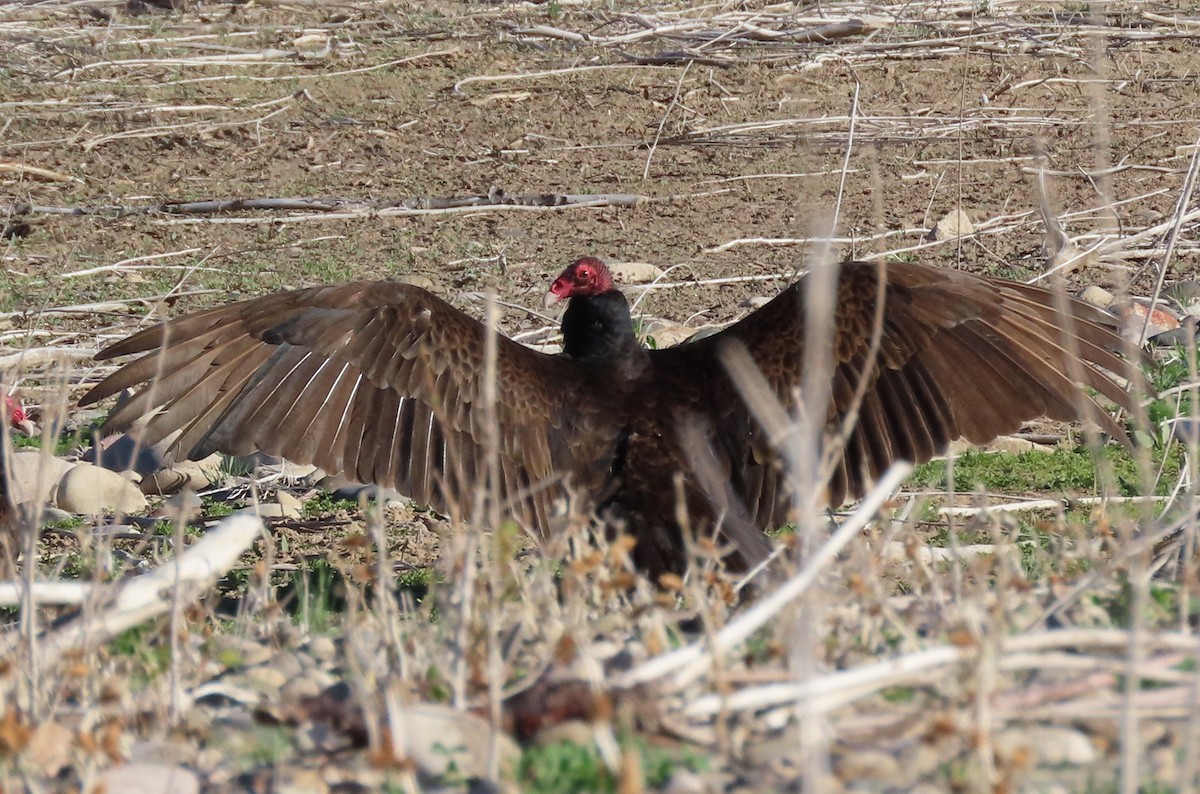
(598, 329)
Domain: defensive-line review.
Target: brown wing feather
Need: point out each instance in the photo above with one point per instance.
(381, 381)
(960, 356)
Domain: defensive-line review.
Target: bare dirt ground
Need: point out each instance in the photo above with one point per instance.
(719, 142)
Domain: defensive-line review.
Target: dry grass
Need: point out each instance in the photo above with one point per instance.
(1000, 650)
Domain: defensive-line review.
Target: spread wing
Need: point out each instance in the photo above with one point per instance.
(380, 381)
(959, 356)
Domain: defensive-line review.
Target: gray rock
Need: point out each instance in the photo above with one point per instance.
(124, 453)
(92, 490)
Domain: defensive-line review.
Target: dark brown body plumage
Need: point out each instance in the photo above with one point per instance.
(383, 382)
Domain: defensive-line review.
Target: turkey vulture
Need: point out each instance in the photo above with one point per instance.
(384, 382)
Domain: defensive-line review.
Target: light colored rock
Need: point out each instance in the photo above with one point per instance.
(91, 490)
(954, 224)
(265, 679)
(667, 334)
(635, 272)
(1057, 746)
(1052, 745)
(1097, 296)
(268, 510)
(313, 46)
(49, 748)
(300, 781)
(292, 507)
(322, 648)
(684, 781)
(34, 476)
(439, 738)
(283, 506)
(148, 779)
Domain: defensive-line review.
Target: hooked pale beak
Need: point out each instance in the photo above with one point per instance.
(550, 299)
(26, 426)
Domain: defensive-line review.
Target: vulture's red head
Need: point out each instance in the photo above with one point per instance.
(16, 416)
(586, 276)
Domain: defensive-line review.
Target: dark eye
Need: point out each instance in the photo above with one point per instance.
(584, 272)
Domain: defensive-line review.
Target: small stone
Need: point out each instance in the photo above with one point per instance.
(322, 648)
(867, 765)
(953, 225)
(148, 779)
(683, 781)
(1056, 746)
(300, 781)
(1097, 296)
(264, 679)
(669, 334)
(313, 46)
(635, 272)
(49, 748)
(92, 490)
(292, 507)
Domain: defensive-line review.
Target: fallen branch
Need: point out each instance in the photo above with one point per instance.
(142, 598)
(495, 198)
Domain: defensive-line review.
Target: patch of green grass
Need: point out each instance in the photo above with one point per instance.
(216, 508)
(1062, 470)
(325, 503)
(566, 766)
(64, 443)
(267, 744)
(147, 647)
(899, 694)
